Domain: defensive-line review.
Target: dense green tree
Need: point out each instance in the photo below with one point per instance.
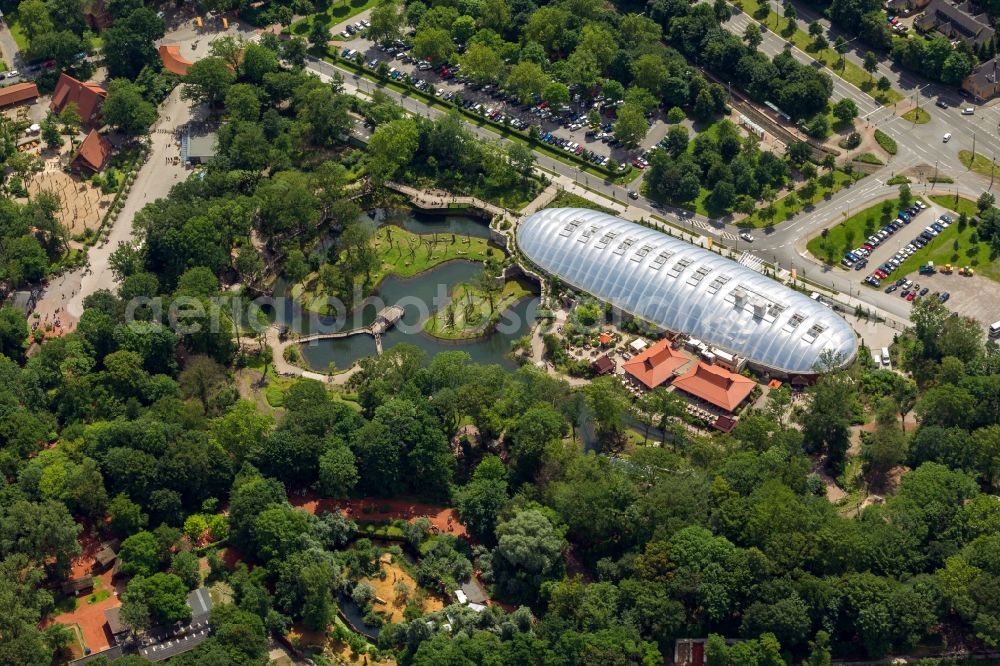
(165, 595)
(528, 552)
(125, 109)
(130, 44)
(482, 499)
(207, 81)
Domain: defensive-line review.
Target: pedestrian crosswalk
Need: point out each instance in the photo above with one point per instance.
(705, 226)
(750, 261)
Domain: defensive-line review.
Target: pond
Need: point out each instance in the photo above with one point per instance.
(420, 296)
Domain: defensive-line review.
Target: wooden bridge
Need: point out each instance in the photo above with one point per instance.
(384, 320)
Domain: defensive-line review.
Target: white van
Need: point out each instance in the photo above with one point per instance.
(947, 137)
(995, 329)
(885, 357)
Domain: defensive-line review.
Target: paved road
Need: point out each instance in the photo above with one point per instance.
(11, 54)
(917, 142)
(63, 297)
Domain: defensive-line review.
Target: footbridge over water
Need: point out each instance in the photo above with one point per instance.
(384, 320)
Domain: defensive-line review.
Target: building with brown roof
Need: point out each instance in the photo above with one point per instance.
(655, 365)
(107, 554)
(716, 386)
(93, 153)
(77, 585)
(981, 82)
(88, 97)
(603, 365)
(113, 617)
(17, 93)
(173, 61)
(956, 22)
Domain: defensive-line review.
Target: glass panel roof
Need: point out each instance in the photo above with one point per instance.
(764, 322)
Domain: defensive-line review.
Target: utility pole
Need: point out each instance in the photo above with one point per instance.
(935, 172)
(993, 168)
(973, 150)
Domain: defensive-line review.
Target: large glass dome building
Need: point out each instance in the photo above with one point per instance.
(680, 287)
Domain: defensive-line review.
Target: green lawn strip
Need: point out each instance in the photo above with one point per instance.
(958, 204)
(469, 299)
(845, 69)
(786, 207)
(403, 254)
(887, 142)
(981, 164)
(569, 200)
(481, 121)
(918, 116)
(941, 250)
(851, 232)
(868, 158)
(16, 30)
(898, 180)
(332, 16)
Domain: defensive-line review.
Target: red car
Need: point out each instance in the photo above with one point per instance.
(910, 296)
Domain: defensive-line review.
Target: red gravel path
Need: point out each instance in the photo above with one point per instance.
(443, 518)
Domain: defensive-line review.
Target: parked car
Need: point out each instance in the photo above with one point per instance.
(944, 297)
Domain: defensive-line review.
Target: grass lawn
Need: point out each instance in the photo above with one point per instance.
(468, 313)
(846, 235)
(958, 204)
(868, 158)
(942, 249)
(338, 12)
(981, 164)
(787, 206)
(845, 69)
(918, 116)
(17, 30)
(406, 254)
(97, 596)
(569, 200)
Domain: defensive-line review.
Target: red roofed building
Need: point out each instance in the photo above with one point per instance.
(88, 98)
(716, 386)
(93, 153)
(17, 93)
(172, 60)
(603, 365)
(655, 365)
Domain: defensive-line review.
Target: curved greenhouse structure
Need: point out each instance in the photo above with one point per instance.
(680, 287)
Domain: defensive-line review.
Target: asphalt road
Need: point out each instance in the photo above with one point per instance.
(917, 143)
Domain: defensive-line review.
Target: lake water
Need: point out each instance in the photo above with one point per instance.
(420, 296)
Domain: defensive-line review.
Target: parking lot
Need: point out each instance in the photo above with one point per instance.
(898, 241)
(566, 127)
